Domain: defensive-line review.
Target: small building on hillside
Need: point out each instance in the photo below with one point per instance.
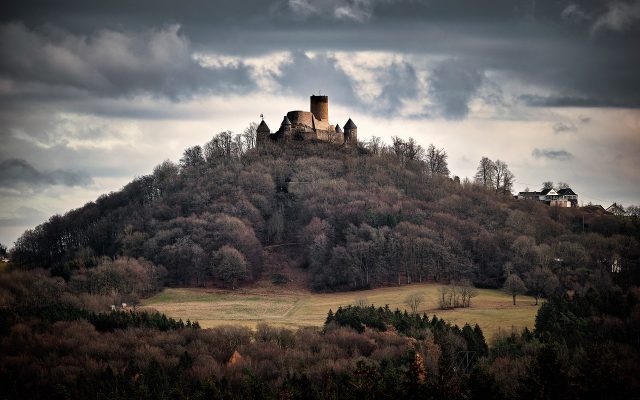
(594, 208)
(528, 196)
(569, 195)
(616, 209)
(556, 198)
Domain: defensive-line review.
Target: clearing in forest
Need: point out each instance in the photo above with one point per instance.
(491, 309)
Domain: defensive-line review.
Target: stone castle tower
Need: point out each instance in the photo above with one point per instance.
(310, 125)
(320, 107)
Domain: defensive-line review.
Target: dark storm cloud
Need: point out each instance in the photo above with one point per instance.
(596, 100)
(620, 16)
(18, 172)
(247, 12)
(575, 14)
(453, 83)
(113, 63)
(303, 75)
(560, 46)
(399, 83)
(559, 155)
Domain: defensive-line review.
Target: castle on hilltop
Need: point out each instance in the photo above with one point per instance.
(310, 125)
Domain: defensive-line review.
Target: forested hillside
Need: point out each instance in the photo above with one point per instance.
(353, 217)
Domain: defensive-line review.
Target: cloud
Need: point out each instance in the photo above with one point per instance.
(22, 216)
(452, 84)
(584, 119)
(350, 10)
(380, 86)
(305, 74)
(574, 13)
(618, 17)
(559, 155)
(384, 83)
(114, 63)
(546, 51)
(18, 172)
(605, 98)
(399, 83)
(560, 127)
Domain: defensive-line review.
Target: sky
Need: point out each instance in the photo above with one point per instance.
(94, 94)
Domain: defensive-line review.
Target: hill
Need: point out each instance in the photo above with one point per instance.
(298, 216)
(344, 217)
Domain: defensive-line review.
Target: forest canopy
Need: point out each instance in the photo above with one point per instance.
(352, 217)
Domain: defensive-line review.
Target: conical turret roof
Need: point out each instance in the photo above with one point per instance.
(338, 129)
(263, 127)
(286, 121)
(349, 125)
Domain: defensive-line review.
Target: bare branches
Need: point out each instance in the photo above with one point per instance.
(494, 175)
(457, 294)
(414, 300)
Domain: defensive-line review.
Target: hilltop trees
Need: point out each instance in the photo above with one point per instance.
(433, 159)
(485, 173)
(436, 160)
(192, 157)
(502, 178)
(495, 175)
(226, 147)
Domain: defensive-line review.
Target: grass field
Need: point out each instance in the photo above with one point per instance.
(491, 309)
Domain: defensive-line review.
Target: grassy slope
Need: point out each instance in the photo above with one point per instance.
(492, 309)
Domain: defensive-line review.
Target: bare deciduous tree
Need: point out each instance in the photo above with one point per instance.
(414, 300)
(502, 178)
(375, 145)
(514, 286)
(485, 172)
(467, 292)
(361, 302)
(249, 136)
(436, 160)
(192, 157)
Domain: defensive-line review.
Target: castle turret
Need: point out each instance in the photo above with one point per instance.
(262, 132)
(320, 107)
(285, 128)
(350, 133)
(338, 129)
